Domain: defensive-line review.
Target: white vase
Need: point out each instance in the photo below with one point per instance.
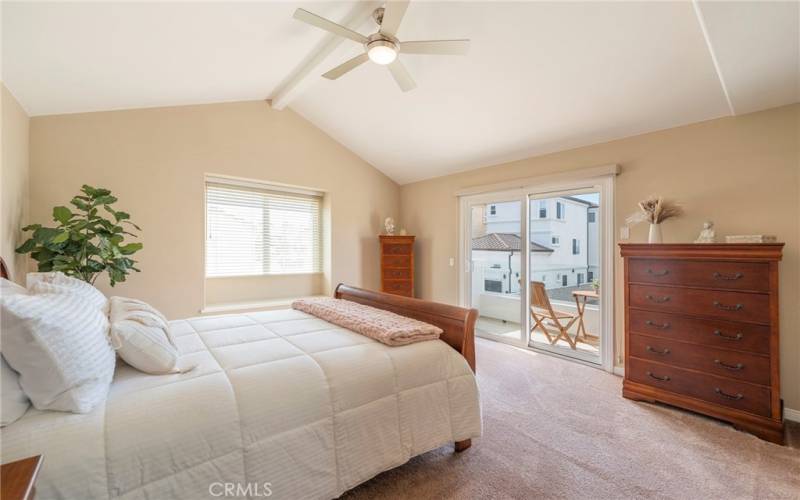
(655, 233)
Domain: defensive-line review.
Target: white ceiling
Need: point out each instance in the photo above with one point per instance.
(540, 77)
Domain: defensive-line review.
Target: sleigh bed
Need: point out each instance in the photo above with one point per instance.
(279, 401)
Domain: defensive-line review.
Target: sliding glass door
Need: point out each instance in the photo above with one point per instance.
(535, 266)
(565, 273)
(496, 274)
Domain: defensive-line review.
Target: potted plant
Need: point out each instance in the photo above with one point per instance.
(85, 242)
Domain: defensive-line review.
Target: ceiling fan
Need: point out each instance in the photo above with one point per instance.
(383, 47)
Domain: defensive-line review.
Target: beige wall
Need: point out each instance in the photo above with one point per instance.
(13, 182)
(154, 161)
(741, 172)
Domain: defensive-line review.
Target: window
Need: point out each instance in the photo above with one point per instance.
(580, 279)
(493, 286)
(543, 209)
(590, 276)
(255, 229)
(564, 280)
(555, 240)
(576, 246)
(492, 209)
(559, 210)
(592, 216)
(544, 278)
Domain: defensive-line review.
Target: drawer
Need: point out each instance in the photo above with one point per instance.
(722, 391)
(708, 274)
(733, 364)
(736, 306)
(397, 249)
(399, 286)
(394, 274)
(710, 332)
(396, 260)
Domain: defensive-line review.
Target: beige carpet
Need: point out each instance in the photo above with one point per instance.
(556, 429)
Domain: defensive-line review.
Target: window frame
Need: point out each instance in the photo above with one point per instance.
(282, 189)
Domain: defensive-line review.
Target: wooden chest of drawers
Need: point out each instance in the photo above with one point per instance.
(397, 265)
(701, 331)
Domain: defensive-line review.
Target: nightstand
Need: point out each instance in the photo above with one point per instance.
(17, 479)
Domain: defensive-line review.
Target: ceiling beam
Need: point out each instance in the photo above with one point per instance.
(302, 76)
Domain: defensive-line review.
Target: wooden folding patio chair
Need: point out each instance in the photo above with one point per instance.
(542, 310)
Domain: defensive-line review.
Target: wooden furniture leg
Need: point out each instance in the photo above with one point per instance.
(463, 445)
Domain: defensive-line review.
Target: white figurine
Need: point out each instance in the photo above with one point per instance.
(389, 225)
(707, 235)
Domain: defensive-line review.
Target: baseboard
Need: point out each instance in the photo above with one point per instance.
(790, 414)
(619, 370)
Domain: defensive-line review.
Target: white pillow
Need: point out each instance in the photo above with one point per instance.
(14, 401)
(58, 282)
(58, 342)
(141, 336)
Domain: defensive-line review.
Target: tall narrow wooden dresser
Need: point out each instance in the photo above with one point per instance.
(701, 331)
(397, 265)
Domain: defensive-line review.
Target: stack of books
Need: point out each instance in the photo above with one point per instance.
(751, 238)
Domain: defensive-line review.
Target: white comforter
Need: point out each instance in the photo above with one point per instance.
(280, 402)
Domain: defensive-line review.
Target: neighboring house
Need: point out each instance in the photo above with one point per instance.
(564, 244)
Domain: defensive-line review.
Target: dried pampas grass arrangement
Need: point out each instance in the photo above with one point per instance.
(655, 210)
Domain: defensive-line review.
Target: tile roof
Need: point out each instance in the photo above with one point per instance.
(504, 242)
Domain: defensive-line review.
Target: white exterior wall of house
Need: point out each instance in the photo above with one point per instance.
(549, 267)
(593, 245)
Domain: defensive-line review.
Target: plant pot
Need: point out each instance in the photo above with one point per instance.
(655, 233)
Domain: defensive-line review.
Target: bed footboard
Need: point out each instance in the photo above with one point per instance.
(457, 323)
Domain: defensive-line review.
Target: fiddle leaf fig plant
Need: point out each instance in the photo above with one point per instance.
(88, 239)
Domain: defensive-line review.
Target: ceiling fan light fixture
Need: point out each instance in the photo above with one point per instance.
(382, 52)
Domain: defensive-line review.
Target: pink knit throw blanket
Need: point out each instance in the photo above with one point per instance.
(383, 326)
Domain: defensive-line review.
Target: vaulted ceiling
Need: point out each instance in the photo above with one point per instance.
(540, 76)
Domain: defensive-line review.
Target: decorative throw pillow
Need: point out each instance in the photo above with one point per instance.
(58, 343)
(14, 401)
(58, 282)
(142, 337)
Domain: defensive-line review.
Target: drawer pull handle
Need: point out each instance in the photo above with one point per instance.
(736, 367)
(737, 397)
(738, 335)
(658, 300)
(665, 378)
(656, 325)
(729, 277)
(659, 273)
(719, 305)
(656, 351)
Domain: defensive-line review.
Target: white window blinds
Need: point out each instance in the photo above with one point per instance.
(253, 230)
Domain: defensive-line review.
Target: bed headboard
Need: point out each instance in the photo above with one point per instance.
(458, 323)
(4, 270)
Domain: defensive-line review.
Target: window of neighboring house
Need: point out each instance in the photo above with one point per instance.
(576, 246)
(564, 280)
(543, 209)
(544, 278)
(592, 216)
(555, 241)
(493, 286)
(492, 210)
(254, 229)
(590, 276)
(559, 210)
(580, 279)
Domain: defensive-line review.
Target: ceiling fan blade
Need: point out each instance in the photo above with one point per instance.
(401, 76)
(321, 22)
(346, 66)
(392, 16)
(436, 47)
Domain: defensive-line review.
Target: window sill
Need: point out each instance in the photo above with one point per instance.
(265, 275)
(256, 305)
